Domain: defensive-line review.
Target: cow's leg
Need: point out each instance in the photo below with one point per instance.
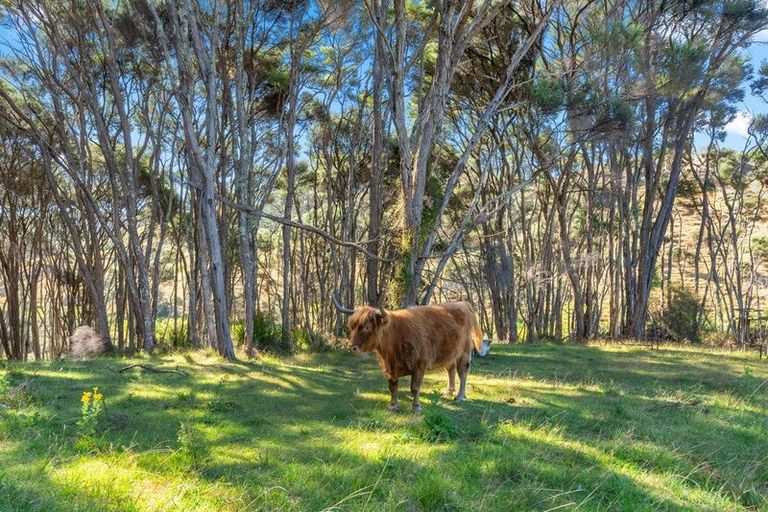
(393, 391)
(451, 380)
(415, 387)
(463, 368)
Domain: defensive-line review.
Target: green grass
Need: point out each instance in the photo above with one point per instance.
(545, 428)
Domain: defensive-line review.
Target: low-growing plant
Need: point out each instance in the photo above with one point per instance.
(432, 492)
(760, 247)
(192, 445)
(716, 338)
(16, 396)
(438, 426)
(186, 397)
(91, 410)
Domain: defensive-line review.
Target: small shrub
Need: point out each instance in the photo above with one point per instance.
(438, 426)
(192, 445)
(267, 334)
(164, 309)
(222, 406)
(760, 247)
(681, 316)
(655, 279)
(311, 341)
(688, 188)
(186, 397)
(174, 336)
(658, 332)
(238, 332)
(86, 342)
(715, 338)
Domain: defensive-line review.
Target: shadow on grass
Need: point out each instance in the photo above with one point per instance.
(295, 434)
(633, 368)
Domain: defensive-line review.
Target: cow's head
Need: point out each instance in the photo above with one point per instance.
(364, 326)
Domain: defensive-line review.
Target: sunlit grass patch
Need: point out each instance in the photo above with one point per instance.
(545, 427)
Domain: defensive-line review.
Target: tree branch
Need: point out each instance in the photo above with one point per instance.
(306, 227)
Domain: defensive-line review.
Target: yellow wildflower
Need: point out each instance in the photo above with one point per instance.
(86, 397)
(97, 397)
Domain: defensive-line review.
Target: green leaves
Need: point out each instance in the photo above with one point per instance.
(684, 65)
(547, 95)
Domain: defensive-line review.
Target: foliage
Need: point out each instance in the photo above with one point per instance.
(547, 95)
(267, 334)
(760, 247)
(197, 130)
(193, 445)
(681, 316)
(438, 426)
(173, 334)
(307, 340)
(91, 411)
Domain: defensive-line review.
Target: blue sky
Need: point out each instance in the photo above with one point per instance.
(737, 129)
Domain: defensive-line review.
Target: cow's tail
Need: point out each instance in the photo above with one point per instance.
(477, 335)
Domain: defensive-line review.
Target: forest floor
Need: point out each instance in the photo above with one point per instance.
(546, 427)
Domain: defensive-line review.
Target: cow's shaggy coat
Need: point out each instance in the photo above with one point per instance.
(411, 341)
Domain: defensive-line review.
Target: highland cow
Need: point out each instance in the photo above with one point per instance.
(413, 340)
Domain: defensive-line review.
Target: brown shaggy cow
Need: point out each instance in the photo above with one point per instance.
(411, 341)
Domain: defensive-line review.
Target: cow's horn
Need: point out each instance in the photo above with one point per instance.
(383, 312)
(338, 306)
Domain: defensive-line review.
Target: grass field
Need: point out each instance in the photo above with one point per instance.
(546, 428)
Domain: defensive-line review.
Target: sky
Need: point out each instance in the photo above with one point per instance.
(736, 130)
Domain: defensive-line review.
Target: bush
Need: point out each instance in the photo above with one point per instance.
(91, 410)
(267, 334)
(193, 446)
(681, 316)
(311, 341)
(438, 426)
(760, 247)
(658, 332)
(175, 337)
(85, 342)
(715, 338)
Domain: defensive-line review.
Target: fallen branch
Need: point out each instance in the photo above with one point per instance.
(146, 367)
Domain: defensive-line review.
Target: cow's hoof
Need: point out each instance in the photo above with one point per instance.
(459, 398)
(416, 409)
(449, 392)
(393, 407)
